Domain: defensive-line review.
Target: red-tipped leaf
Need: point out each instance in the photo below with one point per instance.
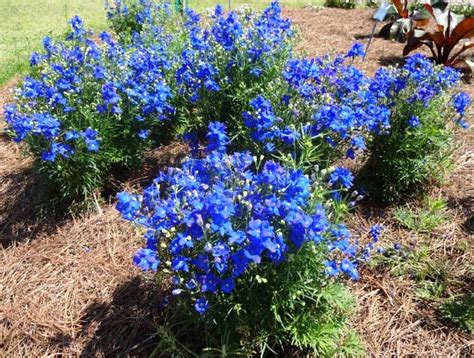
(401, 8)
(464, 30)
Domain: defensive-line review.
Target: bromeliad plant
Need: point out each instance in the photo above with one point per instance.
(409, 17)
(445, 42)
(220, 227)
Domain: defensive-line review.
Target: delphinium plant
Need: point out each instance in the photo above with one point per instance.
(86, 110)
(128, 18)
(426, 110)
(250, 246)
(228, 60)
(325, 113)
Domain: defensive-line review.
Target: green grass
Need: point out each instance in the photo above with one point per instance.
(255, 4)
(23, 24)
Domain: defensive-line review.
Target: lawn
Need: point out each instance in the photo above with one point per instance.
(25, 22)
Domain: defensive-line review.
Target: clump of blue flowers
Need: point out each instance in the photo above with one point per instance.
(128, 18)
(325, 106)
(88, 107)
(416, 146)
(222, 55)
(209, 221)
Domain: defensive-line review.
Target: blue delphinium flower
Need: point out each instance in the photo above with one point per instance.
(375, 232)
(146, 259)
(110, 98)
(128, 205)
(217, 137)
(461, 102)
(357, 49)
(463, 123)
(143, 133)
(341, 177)
(414, 122)
(201, 305)
(91, 139)
(79, 31)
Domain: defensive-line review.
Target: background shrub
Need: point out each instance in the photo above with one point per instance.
(418, 145)
(342, 4)
(467, 9)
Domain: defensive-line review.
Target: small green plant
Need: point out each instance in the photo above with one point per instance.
(431, 276)
(425, 219)
(460, 311)
(342, 4)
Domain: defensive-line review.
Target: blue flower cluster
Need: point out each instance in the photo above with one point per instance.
(419, 79)
(265, 127)
(129, 18)
(210, 220)
(92, 102)
(328, 98)
(228, 48)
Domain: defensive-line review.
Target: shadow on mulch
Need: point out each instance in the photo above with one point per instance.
(25, 208)
(466, 206)
(29, 210)
(391, 61)
(125, 326)
(155, 161)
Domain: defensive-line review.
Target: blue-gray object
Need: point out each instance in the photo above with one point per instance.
(384, 10)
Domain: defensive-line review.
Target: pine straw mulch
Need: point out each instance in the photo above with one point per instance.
(67, 287)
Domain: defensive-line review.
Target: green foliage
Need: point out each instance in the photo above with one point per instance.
(423, 219)
(404, 161)
(466, 10)
(291, 306)
(372, 4)
(431, 275)
(460, 311)
(342, 4)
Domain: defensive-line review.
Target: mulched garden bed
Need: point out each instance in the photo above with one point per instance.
(68, 287)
